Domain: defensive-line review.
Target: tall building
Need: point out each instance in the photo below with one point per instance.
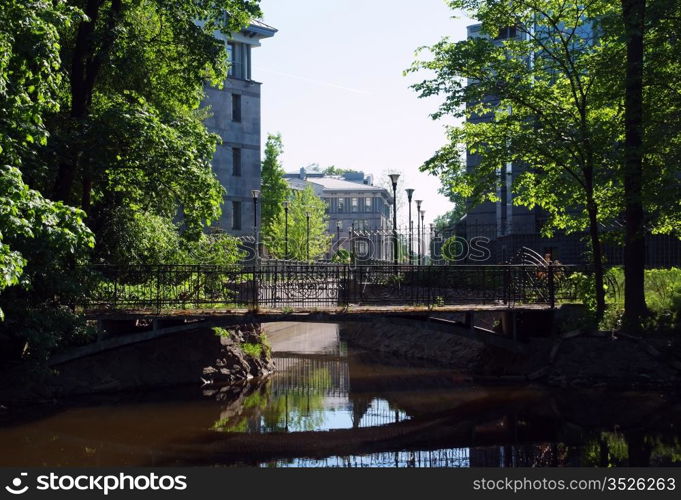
(500, 218)
(236, 118)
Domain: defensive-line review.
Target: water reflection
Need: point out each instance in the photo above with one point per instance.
(373, 413)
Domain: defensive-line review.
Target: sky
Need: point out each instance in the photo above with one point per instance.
(333, 86)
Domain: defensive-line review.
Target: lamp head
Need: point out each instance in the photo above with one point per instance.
(285, 203)
(393, 178)
(410, 192)
(418, 205)
(255, 193)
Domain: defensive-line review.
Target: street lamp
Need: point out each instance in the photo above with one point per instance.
(286, 229)
(255, 193)
(423, 230)
(393, 179)
(418, 229)
(432, 242)
(307, 216)
(339, 226)
(410, 192)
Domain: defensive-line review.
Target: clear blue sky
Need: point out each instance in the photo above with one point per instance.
(333, 86)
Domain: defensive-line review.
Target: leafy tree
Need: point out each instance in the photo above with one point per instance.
(549, 105)
(302, 203)
(154, 53)
(334, 170)
(39, 240)
(274, 187)
(130, 133)
(449, 219)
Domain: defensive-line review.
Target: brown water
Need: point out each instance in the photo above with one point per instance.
(378, 413)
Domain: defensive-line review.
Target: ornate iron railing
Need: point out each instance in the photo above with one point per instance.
(295, 286)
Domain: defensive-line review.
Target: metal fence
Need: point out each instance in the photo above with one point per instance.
(287, 285)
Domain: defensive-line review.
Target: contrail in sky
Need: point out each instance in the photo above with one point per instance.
(318, 82)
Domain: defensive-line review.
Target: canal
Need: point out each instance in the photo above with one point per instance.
(328, 405)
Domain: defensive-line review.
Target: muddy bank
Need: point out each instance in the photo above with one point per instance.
(573, 359)
(140, 361)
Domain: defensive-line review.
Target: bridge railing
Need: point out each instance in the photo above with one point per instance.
(306, 286)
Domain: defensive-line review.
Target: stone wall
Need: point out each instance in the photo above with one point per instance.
(196, 356)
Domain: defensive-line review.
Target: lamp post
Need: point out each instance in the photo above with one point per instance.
(286, 229)
(423, 230)
(255, 193)
(410, 192)
(352, 241)
(418, 229)
(339, 226)
(307, 216)
(393, 179)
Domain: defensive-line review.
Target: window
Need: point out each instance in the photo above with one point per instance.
(236, 215)
(355, 204)
(236, 162)
(341, 205)
(506, 33)
(368, 204)
(239, 55)
(236, 108)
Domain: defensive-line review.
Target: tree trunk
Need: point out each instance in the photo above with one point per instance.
(635, 308)
(80, 97)
(86, 63)
(597, 256)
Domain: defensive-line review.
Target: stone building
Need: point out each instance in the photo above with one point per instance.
(236, 118)
(355, 204)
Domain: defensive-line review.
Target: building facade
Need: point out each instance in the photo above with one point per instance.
(236, 119)
(360, 214)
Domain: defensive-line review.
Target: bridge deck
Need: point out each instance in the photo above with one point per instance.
(298, 314)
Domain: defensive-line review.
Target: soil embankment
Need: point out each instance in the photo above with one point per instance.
(572, 359)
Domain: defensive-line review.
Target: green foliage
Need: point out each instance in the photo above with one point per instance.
(342, 256)
(29, 73)
(130, 238)
(99, 102)
(165, 164)
(275, 189)
(221, 332)
(40, 241)
(217, 249)
(548, 115)
(44, 329)
(302, 203)
(662, 292)
(253, 350)
(334, 170)
(448, 220)
(452, 249)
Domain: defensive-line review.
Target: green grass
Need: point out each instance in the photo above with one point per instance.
(662, 292)
(663, 297)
